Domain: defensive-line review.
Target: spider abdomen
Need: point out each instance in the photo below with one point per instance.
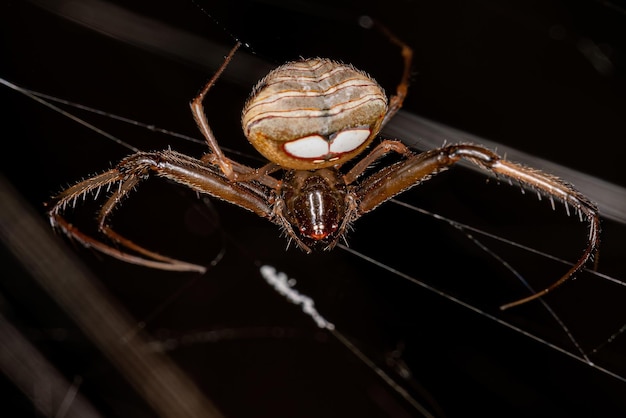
(313, 113)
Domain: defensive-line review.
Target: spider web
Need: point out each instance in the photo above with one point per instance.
(413, 296)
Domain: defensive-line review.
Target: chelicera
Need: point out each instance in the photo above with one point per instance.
(308, 118)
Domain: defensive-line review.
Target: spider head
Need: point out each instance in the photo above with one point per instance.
(314, 207)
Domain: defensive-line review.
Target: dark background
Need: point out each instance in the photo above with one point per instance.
(546, 78)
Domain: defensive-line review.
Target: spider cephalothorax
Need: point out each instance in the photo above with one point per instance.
(308, 118)
(317, 207)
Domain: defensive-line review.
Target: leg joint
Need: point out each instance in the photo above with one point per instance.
(480, 155)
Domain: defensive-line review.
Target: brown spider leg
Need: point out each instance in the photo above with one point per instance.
(245, 173)
(199, 116)
(168, 164)
(350, 215)
(394, 179)
(192, 173)
(161, 261)
(281, 221)
(89, 242)
(396, 101)
(382, 149)
(95, 183)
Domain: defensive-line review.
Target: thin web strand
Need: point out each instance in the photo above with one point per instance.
(477, 310)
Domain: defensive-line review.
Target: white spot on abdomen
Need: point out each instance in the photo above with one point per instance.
(308, 147)
(348, 140)
(317, 147)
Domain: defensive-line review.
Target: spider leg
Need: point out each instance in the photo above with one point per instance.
(203, 124)
(281, 221)
(153, 259)
(245, 173)
(96, 183)
(416, 168)
(396, 101)
(382, 149)
(165, 263)
(161, 261)
(137, 167)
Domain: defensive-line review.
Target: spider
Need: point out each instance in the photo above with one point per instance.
(308, 118)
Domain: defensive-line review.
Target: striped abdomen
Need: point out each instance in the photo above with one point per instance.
(313, 113)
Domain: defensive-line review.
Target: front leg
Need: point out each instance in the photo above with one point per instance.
(197, 110)
(382, 149)
(122, 183)
(417, 168)
(176, 167)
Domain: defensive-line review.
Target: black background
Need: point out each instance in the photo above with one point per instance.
(543, 77)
